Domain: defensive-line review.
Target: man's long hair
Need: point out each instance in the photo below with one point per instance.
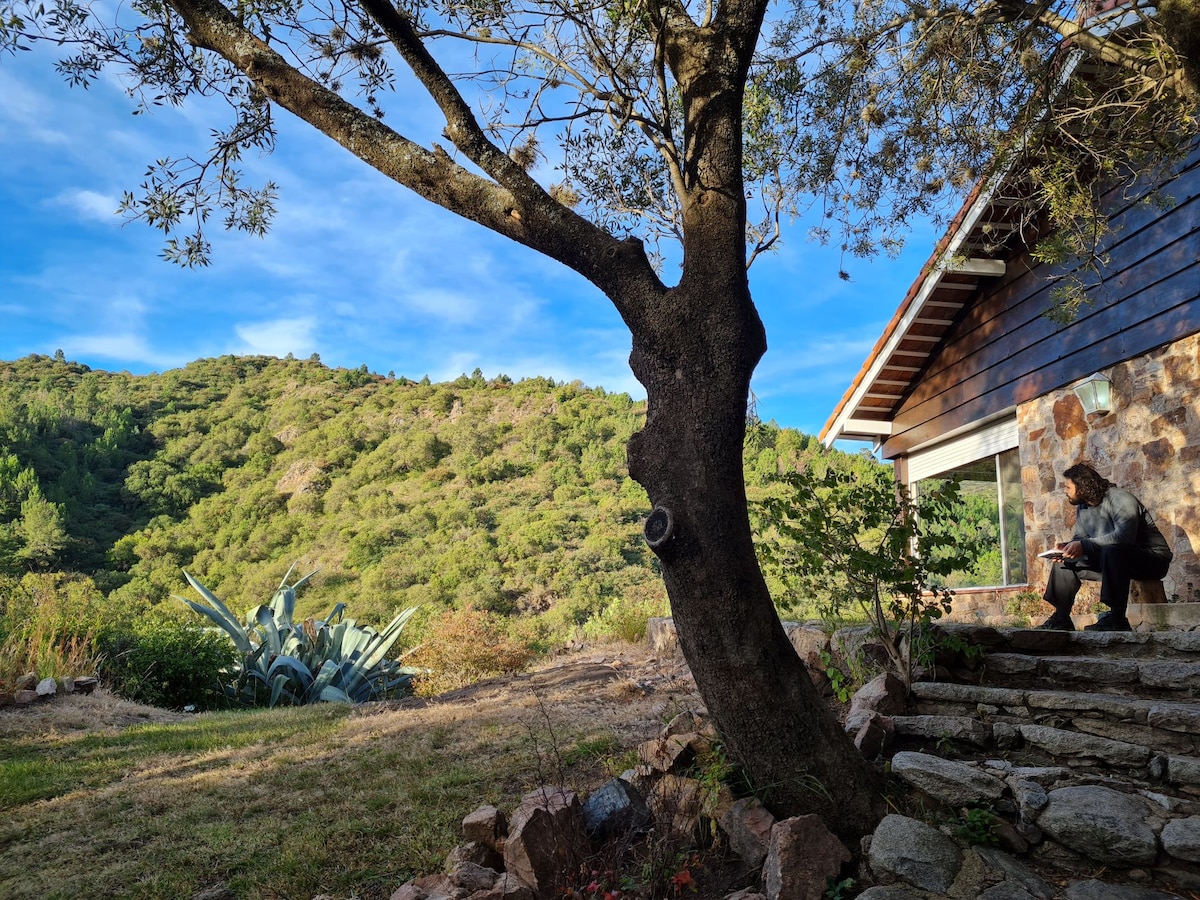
(1090, 485)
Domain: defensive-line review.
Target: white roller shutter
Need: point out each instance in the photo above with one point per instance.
(967, 448)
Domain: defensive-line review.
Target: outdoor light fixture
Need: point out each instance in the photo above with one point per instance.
(1095, 394)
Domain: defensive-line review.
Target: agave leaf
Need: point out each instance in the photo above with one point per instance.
(331, 694)
(231, 627)
(283, 605)
(290, 663)
(390, 635)
(277, 688)
(287, 575)
(268, 630)
(304, 580)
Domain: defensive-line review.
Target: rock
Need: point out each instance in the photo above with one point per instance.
(747, 826)
(485, 825)
(874, 735)
(546, 840)
(507, 887)
(26, 682)
(1099, 890)
(1181, 770)
(1181, 838)
(660, 632)
(667, 753)
(883, 694)
(1015, 871)
(914, 852)
(1072, 744)
(810, 640)
(1005, 736)
(802, 856)
(477, 853)
(953, 783)
(745, 894)
(472, 877)
(427, 887)
(958, 728)
(1030, 797)
(615, 808)
(677, 804)
(86, 685)
(1102, 824)
(24, 698)
(888, 892)
(47, 687)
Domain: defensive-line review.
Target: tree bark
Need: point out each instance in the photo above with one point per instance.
(696, 370)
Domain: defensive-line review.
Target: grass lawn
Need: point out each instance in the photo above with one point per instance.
(291, 802)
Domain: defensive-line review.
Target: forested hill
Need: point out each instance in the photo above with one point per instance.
(512, 497)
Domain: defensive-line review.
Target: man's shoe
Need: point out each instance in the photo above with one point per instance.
(1057, 623)
(1109, 622)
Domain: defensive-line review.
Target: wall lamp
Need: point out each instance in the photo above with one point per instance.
(1095, 394)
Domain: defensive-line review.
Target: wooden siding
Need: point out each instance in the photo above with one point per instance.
(1004, 351)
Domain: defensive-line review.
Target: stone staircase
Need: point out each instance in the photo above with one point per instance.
(1127, 702)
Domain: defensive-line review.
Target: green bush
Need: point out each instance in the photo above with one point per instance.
(168, 663)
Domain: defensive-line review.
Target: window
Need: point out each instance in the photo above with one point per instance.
(994, 516)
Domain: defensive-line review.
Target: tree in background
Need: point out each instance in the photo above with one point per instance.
(672, 120)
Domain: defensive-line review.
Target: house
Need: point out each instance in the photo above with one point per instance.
(970, 378)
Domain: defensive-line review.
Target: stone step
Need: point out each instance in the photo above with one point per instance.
(1163, 725)
(1172, 677)
(1117, 644)
(1047, 745)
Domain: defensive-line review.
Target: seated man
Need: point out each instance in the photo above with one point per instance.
(1115, 542)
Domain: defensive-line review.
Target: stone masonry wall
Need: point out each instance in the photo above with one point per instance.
(1149, 444)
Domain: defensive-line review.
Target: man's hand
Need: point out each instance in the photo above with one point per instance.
(1071, 549)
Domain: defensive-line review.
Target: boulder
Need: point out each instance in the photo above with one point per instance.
(874, 735)
(747, 826)
(546, 840)
(47, 687)
(1099, 890)
(883, 694)
(485, 825)
(477, 853)
(615, 808)
(953, 783)
(472, 877)
(802, 856)
(677, 804)
(1181, 838)
(1104, 825)
(909, 850)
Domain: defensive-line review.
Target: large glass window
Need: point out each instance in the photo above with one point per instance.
(993, 517)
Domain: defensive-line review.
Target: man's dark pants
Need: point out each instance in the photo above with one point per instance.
(1118, 565)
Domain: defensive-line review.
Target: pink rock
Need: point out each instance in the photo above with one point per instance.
(803, 854)
(546, 841)
(747, 825)
(486, 825)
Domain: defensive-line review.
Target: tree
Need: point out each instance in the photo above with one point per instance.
(680, 115)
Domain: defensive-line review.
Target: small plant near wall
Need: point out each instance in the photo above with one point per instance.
(283, 661)
(861, 540)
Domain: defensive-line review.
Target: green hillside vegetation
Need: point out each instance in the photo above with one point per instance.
(505, 503)
(505, 497)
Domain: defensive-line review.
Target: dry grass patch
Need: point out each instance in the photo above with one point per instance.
(297, 802)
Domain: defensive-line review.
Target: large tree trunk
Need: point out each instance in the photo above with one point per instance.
(696, 367)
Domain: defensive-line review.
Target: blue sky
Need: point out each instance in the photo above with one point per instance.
(355, 268)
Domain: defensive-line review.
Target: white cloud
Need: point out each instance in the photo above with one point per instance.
(278, 337)
(91, 205)
(122, 347)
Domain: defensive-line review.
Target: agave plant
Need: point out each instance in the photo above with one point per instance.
(331, 659)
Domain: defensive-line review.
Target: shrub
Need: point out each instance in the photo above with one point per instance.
(164, 662)
(463, 646)
(330, 659)
(625, 619)
(49, 623)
